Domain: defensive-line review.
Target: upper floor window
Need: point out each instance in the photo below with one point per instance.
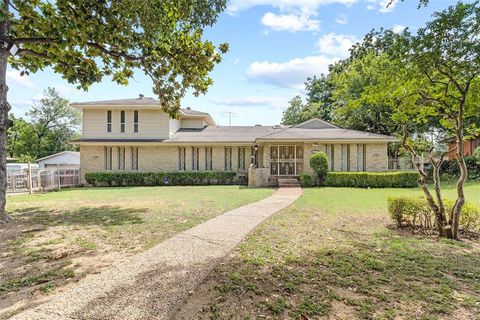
(135, 121)
(109, 121)
(122, 121)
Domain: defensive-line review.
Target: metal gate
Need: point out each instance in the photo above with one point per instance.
(286, 160)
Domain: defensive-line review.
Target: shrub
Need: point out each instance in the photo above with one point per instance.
(372, 179)
(120, 178)
(476, 155)
(306, 180)
(450, 168)
(319, 164)
(415, 212)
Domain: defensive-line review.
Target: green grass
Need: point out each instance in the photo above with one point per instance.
(79, 231)
(330, 255)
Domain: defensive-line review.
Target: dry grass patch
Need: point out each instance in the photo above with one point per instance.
(57, 238)
(330, 256)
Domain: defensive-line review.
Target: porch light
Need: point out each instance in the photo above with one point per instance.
(315, 145)
(256, 148)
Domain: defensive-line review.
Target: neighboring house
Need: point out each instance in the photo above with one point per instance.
(135, 134)
(468, 147)
(20, 166)
(61, 160)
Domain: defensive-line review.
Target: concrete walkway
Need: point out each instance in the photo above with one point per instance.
(152, 284)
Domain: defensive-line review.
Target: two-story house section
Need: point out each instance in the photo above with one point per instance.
(137, 135)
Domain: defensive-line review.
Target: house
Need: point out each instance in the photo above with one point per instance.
(61, 160)
(135, 134)
(468, 147)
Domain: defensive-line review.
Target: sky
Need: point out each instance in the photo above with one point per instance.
(275, 45)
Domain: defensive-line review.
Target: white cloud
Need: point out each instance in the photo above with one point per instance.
(290, 22)
(236, 6)
(336, 45)
(250, 101)
(398, 28)
(290, 74)
(383, 6)
(342, 19)
(15, 77)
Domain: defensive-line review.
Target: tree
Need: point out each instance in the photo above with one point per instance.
(89, 39)
(293, 114)
(432, 79)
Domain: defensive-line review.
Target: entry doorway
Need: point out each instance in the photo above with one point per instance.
(286, 160)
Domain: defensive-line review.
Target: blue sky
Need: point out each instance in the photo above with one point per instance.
(274, 46)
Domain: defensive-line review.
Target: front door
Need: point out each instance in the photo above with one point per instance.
(286, 160)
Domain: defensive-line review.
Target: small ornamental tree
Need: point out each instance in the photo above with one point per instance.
(319, 164)
(85, 41)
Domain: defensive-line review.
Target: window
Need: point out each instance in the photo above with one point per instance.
(109, 121)
(121, 158)
(361, 157)
(122, 121)
(181, 158)
(134, 159)
(195, 165)
(241, 159)
(108, 158)
(345, 157)
(252, 156)
(208, 158)
(228, 159)
(330, 150)
(135, 121)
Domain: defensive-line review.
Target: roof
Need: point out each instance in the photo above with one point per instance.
(73, 153)
(115, 140)
(314, 129)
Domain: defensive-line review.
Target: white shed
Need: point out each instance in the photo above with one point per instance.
(61, 160)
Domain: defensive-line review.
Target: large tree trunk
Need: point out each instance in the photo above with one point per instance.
(4, 121)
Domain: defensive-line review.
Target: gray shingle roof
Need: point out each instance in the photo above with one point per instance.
(267, 133)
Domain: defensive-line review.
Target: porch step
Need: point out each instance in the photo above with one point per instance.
(288, 183)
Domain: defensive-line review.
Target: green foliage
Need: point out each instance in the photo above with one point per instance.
(476, 155)
(319, 164)
(306, 181)
(122, 178)
(409, 209)
(450, 168)
(319, 102)
(416, 212)
(52, 124)
(84, 41)
(372, 179)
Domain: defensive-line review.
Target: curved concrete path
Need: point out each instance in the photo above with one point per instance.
(152, 284)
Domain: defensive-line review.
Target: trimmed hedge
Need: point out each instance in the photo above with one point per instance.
(187, 178)
(306, 181)
(372, 179)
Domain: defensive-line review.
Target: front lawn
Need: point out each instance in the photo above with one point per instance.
(58, 237)
(331, 256)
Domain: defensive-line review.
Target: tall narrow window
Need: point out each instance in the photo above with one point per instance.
(195, 165)
(122, 121)
(134, 159)
(361, 157)
(252, 155)
(241, 159)
(108, 158)
(228, 159)
(181, 158)
(121, 158)
(208, 158)
(345, 161)
(330, 150)
(109, 121)
(135, 121)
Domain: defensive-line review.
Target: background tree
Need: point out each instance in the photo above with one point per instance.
(89, 39)
(293, 114)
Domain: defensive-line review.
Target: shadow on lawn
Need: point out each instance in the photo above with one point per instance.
(380, 276)
(85, 216)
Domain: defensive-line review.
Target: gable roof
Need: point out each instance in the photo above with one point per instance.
(73, 153)
(315, 123)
